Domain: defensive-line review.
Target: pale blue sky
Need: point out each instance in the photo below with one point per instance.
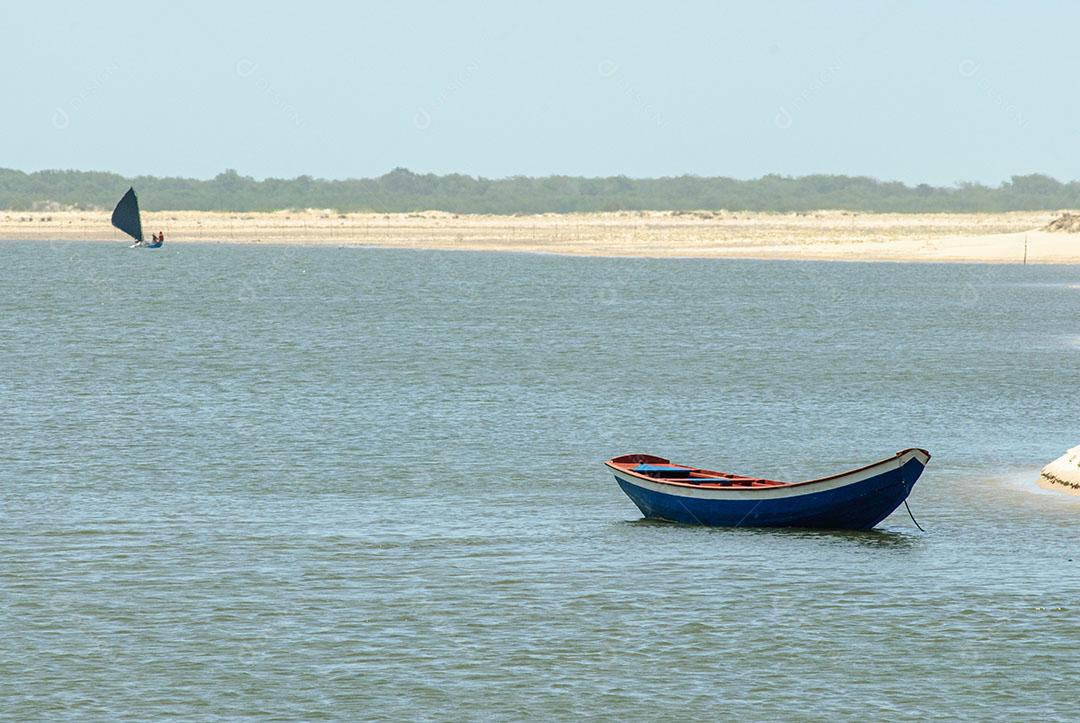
(914, 91)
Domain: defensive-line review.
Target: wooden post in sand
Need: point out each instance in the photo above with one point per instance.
(1025, 249)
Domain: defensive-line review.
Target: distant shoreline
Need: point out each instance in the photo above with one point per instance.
(821, 235)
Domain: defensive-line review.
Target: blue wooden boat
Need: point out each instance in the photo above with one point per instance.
(856, 500)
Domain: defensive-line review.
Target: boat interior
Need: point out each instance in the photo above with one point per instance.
(659, 468)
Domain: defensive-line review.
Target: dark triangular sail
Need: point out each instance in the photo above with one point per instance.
(126, 216)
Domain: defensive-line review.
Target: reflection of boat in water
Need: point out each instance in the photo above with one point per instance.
(858, 499)
(126, 217)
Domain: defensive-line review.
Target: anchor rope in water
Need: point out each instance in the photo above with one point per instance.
(913, 517)
(900, 468)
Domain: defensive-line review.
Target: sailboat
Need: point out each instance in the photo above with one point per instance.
(126, 218)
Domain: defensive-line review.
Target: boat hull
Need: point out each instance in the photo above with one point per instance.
(858, 500)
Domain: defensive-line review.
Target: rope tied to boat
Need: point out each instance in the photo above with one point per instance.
(903, 480)
(913, 516)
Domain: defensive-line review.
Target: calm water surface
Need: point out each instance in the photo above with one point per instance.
(349, 483)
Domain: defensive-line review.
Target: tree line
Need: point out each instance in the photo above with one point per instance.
(402, 190)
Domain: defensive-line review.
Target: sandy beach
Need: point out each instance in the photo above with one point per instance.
(1063, 474)
(827, 235)
(1057, 485)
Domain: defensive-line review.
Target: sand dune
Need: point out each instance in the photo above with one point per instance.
(837, 235)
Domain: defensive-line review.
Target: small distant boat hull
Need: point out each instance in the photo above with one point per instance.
(855, 500)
